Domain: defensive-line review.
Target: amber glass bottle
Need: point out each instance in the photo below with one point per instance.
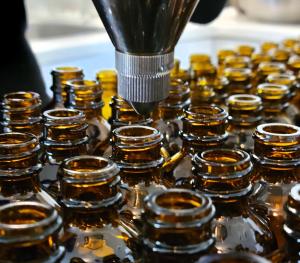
(91, 201)
(238, 257)
(169, 114)
(109, 83)
(267, 46)
(291, 225)
(265, 69)
(202, 70)
(289, 43)
(258, 58)
(276, 106)
(21, 112)
(30, 233)
(86, 95)
(64, 137)
(245, 50)
(239, 80)
(178, 73)
(296, 49)
(245, 113)
(221, 56)
(137, 152)
(237, 62)
(60, 76)
(20, 168)
(239, 224)
(177, 226)
(204, 127)
(277, 167)
(279, 55)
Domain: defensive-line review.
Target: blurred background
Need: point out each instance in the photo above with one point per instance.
(61, 33)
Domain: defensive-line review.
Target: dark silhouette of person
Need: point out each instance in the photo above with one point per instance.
(19, 70)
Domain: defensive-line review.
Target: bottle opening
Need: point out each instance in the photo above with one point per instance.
(270, 67)
(279, 129)
(224, 157)
(138, 132)
(58, 114)
(21, 99)
(206, 112)
(63, 70)
(178, 201)
(272, 91)
(244, 100)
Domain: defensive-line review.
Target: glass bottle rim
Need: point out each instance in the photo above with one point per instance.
(48, 220)
(244, 100)
(244, 257)
(63, 115)
(280, 131)
(206, 113)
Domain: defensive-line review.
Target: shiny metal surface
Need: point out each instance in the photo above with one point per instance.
(144, 33)
(283, 11)
(145, 26)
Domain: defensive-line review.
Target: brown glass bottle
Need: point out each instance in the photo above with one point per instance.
(86, 95)
(64, 137)
(60, 76)
(245, 113)
(93, 230)
(238, 257)
(222, 55)
(237, 62)
(177, 226)
(109, 83)
(30, 233)
(294, 66)
(291, 225)
(21, 112)
(265, 47)
(276, 106)
(277, 167)
(239, 80)
(280, 55)
(204, 127)
(20, 168)
(289, 43)
(137, 152)
(169, 114)
(202, 70)
(245, 50)
(265, 69)
(239, 224)
(178, 73)
(258, 58)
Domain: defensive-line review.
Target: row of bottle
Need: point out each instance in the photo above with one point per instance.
(105, 218)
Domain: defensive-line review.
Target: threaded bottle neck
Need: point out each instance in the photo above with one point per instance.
(267, 46)
(267, 68)
(30, 233)
(89, 182)
(245, 50)
(223, 173)
(244, 110)
(286, 79)
(60, 76)
(277, 143)
(279, 55)
(85, 95)
(137, 148)
(123, 114)
(239, 80)
(294, 64)
(258, 58)
(21, 112)
(224, 53)
(274, 96)
(178, 99)
(65, 134)
(178, 221)
(204, 127)
(237, 62)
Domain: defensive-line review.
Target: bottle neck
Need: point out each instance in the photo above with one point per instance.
(286, 79)
(178, 100)
(274, 97)
(19, 164)
(89, 183)
(223, 174)
(258, 58)
(279, 55)
(178, 222)
(245, 50)
(233, 257)
(204, 127)
(21, 112)
(294, 64)
(123, 114)
(244, 110)
(136, 150)
(85, 95)
(267, 46)
(65, 134)
(179, 73)
(239, 80)
(278, 145)
(30, 233)
(267, 68)
(201, 70)
(60, 76)
(237, 62)
(223, 54)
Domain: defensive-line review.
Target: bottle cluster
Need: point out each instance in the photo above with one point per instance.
(213, 175)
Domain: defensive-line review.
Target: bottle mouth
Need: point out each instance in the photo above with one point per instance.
(222, 164)
(67, 72)
(244, 101)
(20, 101)
(27, 222)
(281, 78)
(237, 74)
(107, 76)
(64, 115)
(223, 53)
(271, 67)
(278, 131)
(205, 113)
(14, 143)
(85, 168)
(237, 62)
(134, 136)
(270, 91)
(245, 50)
(184, 205)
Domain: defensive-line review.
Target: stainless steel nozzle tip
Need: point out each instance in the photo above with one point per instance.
(144, 109)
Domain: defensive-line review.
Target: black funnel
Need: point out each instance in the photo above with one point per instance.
(144, 33)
